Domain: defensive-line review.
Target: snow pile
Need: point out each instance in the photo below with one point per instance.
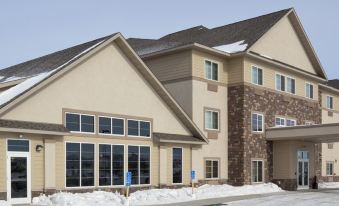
(4, 203)
(233, 48)
(158, 196)
(97, 198)
(328, 185)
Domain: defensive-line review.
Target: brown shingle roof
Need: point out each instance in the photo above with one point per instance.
(333, 83)
(249, 30)
(13, 124)
(176, 137)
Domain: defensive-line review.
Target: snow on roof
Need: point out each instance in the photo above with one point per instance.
(233, 48)
(24, 86)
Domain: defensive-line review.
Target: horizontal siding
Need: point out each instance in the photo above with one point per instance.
(235, 71)
(172, 66)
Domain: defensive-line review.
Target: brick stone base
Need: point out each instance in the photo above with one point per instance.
(286, 184)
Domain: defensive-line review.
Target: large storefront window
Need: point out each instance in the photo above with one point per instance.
(139, 163)
(79, 164)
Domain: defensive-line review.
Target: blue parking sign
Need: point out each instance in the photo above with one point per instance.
(128, 178)
(192, 174)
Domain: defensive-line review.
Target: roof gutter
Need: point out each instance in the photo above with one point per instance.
(32, 131)
(332, 89)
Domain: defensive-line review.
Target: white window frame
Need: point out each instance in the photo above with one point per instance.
(327, 168)
(112, 186)
(280, 118)
(253, 67)
(80, 114)
(182, 165)
(212, 160)
(309, 123)
(212, 62)
(111, 134)
(218, 125)
(262, 170)
(95, 169)
(286, 84)
(306, 94)
(150, 164)
(328, 106)
(262, 124)
(291, 120)
(139, 120)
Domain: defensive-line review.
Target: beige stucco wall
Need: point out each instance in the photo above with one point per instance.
(282, 43)
(108, 83)
(269, 73)
(285, 158)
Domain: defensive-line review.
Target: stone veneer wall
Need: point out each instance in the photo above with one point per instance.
(245, 145)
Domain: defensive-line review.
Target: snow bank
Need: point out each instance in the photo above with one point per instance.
(4, 203)
(328, 185)
(233, 48)
(97, 198)
(153, 196)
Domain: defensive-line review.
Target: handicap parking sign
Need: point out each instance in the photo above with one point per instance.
(192, 174)
(128, 178)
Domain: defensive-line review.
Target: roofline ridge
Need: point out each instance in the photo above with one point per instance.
(182, 31)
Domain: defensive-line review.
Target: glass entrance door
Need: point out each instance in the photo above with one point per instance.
(303, 170)
(18, 185)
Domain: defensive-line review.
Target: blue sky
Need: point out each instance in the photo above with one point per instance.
(37, 27)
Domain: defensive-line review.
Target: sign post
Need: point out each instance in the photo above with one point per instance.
(128, 182)
(192, 180)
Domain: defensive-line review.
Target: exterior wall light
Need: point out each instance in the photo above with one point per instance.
(39, 147)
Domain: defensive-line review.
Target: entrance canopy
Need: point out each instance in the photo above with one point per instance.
(320, 133)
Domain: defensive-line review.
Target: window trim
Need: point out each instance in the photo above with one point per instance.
(285, 89)
(211, 110)
(262, 72)
(276, 117)
(140, 120)
(182, 166)
(205, 165)
(309, 83)
(205, 74)
(95, 171)
(262, 171)
(29, 145)
(263, 122)
(150, 164)
(112, 186)
(332, 163)
(80, 114)
(111, 134)
(331, 97)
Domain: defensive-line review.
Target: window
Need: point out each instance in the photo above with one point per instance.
(309, 90)
(211, 70)
(177, 165)
(257, 122)
(279, 122)
(111, 165)
(79, 164)
(109, 125)
(139, 128)
(257, 171)
(212, 169)
(139, 163)
(257, 75)
(329, 168)
(80, 123)
(329, 102)
(291, 122)
(17, 145)
(330, 146)
(286, 84)
(211, 120)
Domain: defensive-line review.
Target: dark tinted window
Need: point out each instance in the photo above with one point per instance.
(177, 165)
(105, 125)
(87, 164)
(133, 128)
(118, 165)
(72, 164)
(118, 126)
(145, 129)
(133, 163)
(144, 165)
(18, 145)
(73, 122)
(87, 123)
(104, 165)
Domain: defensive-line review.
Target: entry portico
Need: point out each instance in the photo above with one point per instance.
(297, 153)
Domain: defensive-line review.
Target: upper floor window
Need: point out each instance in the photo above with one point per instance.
(291, 122)
(257, 122)
(139, 128)
(211, 120)
(80, 122)
(257, 75)
(211, 70)
(309, 90)
(109, 125)
(285, 84)
(329, 102)
(279, 122)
